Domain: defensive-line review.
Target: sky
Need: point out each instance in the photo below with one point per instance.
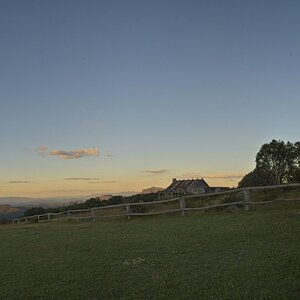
(111, 96)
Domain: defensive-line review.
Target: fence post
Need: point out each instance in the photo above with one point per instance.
(246, 199)
(182, 206)
(49, 217)
(93, 215)
(38, 218)
(128, 210)
(69, 215)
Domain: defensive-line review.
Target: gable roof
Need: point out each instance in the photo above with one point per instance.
(178, 186)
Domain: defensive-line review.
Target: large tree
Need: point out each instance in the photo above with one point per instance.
(277, 162)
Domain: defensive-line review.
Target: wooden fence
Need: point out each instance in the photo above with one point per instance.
(128, 209)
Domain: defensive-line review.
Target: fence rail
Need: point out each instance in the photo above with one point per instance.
(246, 202)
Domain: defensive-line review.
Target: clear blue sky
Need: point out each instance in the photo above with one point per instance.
(161, 89)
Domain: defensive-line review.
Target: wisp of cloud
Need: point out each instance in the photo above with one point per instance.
(71, 154)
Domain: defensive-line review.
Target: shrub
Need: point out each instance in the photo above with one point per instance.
(232, 198)
(139, 209)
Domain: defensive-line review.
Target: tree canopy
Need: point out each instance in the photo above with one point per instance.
(277, 162)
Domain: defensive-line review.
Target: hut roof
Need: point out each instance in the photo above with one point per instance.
(181, 185)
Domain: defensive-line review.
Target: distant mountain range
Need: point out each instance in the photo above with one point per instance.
(27, 202)
(30, 202)
(151, 190)
(14, 207)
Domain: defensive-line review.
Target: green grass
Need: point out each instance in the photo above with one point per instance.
(248, 255)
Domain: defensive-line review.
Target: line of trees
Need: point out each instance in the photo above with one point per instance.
(93, 202)
(277, 162)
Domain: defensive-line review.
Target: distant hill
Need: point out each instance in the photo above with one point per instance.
(103, 196)
(151, 190)
(8, 212)
(8, 209)
(30, 202)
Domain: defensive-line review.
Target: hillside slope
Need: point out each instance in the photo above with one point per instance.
(252, 255)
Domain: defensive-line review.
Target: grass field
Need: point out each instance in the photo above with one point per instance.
(247, 255)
